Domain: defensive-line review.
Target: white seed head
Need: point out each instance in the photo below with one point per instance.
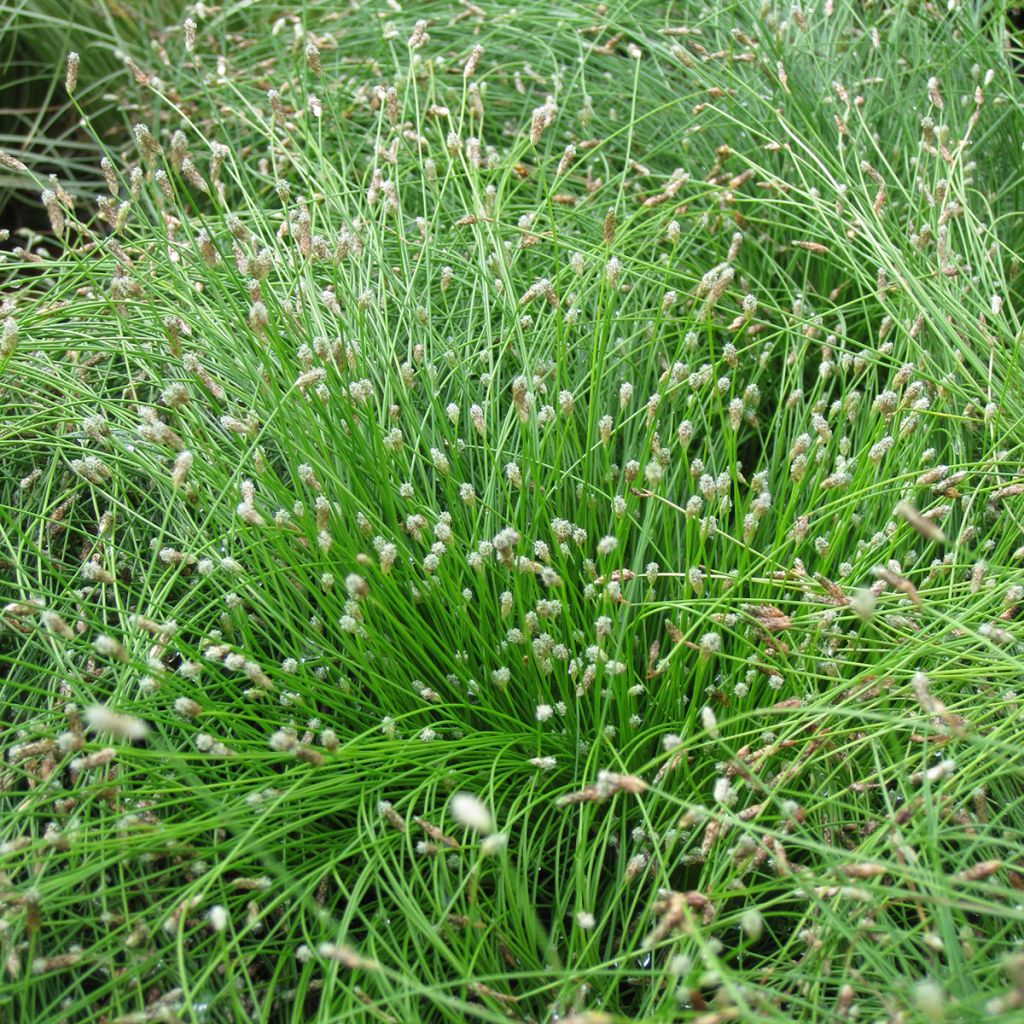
(710, 723)
(471, 812)
(100, 718)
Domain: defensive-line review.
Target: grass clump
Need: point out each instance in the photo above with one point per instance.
(517, 515)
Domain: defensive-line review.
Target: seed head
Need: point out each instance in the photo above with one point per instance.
(752, 924)
(100, 718)
(192, 175)
(710, 643)
(612, 269)
(537, 123)
(55, 624)
(53, 211)
(148, 146)
(724, 793)
(71, 74)
(609, 226)
(471, 812)
(471, 62)
(420, 37)
(922, 524)
(182, 465)
(108, 646)
(440, 461)
(709, 722)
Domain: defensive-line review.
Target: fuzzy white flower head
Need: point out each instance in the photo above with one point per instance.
(494, 844)
(724, 793)
(752, 924)
(471, 812)
(710, 643)
(100, 718)
(710, 723)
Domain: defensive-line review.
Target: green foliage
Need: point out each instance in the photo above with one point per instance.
(37, 123)
(625, 431)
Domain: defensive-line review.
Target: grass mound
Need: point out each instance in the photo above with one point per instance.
(516, 514)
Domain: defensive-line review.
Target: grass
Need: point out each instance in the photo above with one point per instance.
(37, 124)
(661, 495)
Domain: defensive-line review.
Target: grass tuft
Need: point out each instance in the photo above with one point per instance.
(516, 514)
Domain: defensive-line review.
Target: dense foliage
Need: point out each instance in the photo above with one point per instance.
(517, 515)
